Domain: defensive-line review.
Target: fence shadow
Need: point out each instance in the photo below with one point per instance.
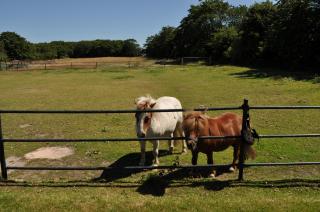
(277, 74)
(157, 185)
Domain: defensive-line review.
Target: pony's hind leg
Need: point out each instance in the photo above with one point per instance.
(179, 133)
(171, 145)
(143, 152)
(155, 153)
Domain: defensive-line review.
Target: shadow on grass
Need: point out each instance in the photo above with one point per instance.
(279, 74)
(131, 159)
(156, 185)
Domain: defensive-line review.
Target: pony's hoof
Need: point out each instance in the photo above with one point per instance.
(231, 169)
(184, 151)
(212, 175)
(155, 164)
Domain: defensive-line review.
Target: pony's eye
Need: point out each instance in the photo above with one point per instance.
(146, 119)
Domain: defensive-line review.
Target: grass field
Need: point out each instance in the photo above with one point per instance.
(269, 189)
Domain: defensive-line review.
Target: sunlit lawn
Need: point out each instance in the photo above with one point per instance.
(280, 188)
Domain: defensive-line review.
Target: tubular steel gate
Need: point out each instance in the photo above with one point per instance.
(241, 165)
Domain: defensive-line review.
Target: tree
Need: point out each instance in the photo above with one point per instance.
(295, 36)
(3, 53)
(249, 48)
(130, 48)
(45, 51)
(219, 44)
(161, 45)
(16, 47)
(202, 21)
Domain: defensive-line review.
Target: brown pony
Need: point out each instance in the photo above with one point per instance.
(197, 124)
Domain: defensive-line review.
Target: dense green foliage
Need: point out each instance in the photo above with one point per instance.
(286, 33)
(15, 47)
(161, 44)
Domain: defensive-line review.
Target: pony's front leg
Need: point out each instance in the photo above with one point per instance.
(143, 152)
(194, 157)
(155, 153)
(210, 162)
(236, 153)
(194, 161)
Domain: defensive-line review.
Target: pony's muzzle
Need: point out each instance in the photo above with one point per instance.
(141, 135)
(192, 143)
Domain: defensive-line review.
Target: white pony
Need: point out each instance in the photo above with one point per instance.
(158, 124)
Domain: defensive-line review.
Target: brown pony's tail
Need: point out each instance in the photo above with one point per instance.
(249, 152)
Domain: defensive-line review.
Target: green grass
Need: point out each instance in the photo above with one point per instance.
(277, 188)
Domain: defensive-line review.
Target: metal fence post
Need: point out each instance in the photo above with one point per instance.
(245, 116)
(2, 157)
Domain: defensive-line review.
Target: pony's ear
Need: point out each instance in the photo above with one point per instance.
(187, 115)
(152, 104)
(203, 107)
(137, 100)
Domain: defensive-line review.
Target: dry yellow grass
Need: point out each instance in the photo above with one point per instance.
(97, 59)
(90, 62)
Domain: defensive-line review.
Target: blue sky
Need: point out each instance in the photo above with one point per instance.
(74, 20)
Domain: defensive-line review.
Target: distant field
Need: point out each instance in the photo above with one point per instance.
(79, 63)
(277, 188)
(104, 60)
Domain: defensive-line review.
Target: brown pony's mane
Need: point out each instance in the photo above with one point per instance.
(195, 115)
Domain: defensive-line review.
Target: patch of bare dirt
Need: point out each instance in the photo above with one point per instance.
(22, 126)
(49, 153)
(15, 161)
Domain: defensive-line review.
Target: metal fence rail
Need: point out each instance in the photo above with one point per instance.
(159, 110)
(56, 168)
(119, 111)
(241, 165)
(26, 140)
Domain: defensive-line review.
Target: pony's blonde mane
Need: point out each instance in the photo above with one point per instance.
(143, 102)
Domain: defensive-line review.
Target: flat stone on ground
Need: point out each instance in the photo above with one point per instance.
(49, 153)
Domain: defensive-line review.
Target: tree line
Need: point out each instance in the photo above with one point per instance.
(16, 47)
(285, 33)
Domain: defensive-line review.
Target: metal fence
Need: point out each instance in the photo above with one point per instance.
(241, 165)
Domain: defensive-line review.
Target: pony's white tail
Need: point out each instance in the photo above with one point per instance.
(249, 152)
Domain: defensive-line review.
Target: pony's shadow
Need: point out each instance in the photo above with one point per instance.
(156, 185)
(131, 159)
